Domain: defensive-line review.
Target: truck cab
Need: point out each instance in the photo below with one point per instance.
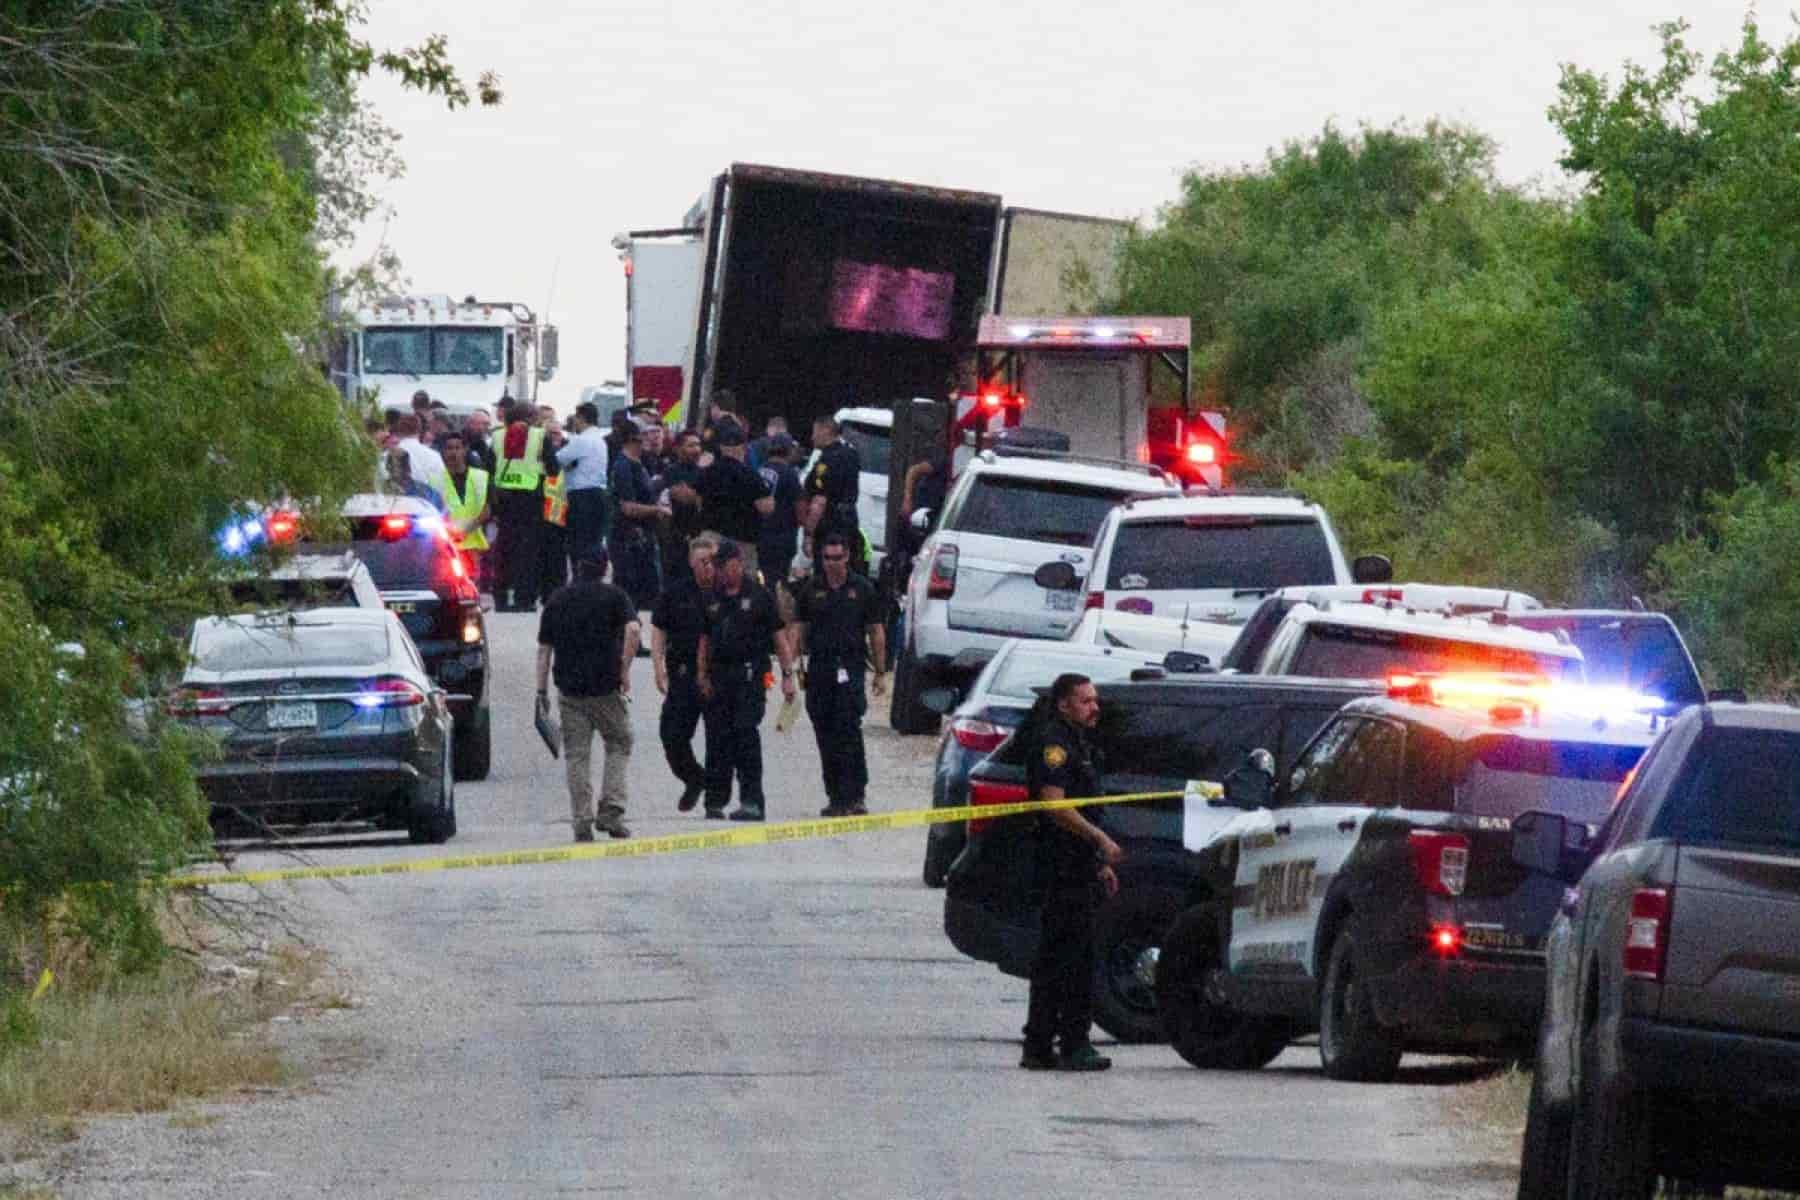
(466, 353)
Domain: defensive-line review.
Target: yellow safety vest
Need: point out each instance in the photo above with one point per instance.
(556, 499)
(520, 474)
(464, 509)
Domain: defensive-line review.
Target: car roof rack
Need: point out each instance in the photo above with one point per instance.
(992, 455)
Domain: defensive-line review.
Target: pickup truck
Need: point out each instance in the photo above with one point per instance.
(1670, 1046)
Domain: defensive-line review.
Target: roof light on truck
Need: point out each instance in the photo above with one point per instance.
(1513, 697)
(1202, 453)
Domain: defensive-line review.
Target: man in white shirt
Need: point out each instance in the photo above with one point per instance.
(426, 462)
(583, 462)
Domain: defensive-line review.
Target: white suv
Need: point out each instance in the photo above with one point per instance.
(1214, 556)
(973, 585)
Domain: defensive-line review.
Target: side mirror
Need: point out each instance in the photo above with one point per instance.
(1185, 662)
(1372, 568)
(1055, 577)
(940, 700)
(1252, 785)
(1542, 842)
(1727, 696)
(921, 520)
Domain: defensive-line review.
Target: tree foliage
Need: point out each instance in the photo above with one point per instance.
(172, 173)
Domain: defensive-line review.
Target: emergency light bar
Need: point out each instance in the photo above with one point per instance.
(1513, 697)
(1127, 333)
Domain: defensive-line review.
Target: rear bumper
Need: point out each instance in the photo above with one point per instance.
(460, 670)
(1461, 1001)
(1750, 1069)
(376, 782)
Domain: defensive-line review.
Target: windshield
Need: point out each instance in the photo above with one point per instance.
(1020, 673)
(295, 593)
(1035, 510)
(1643, 655)
(1343, 652)
(234, 646)
(1250, 553)
(1507, 776)
(872, 445)
(444, 350)
(1742, 786)
(414, 561)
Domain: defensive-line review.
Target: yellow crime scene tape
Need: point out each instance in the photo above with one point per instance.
(775, 834)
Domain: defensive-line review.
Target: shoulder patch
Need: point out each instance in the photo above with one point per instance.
(1055, 756)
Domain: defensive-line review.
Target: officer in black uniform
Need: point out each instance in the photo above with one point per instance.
(1076, 862)
(832, 488)
(743, 626)
(677, 623)
(836, 612)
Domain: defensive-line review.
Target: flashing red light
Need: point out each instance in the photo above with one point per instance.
(282, 526)
(395, 525)
(1202, 454)
(979, 736)
(992, 401)
(457, 568)
(1386, 596)
(1647, 933)
(983, 793)
(1446, 941)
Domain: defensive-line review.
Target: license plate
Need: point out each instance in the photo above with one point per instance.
(1061, 601)
(302, 714)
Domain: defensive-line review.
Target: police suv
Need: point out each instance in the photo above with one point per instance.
(1371, 894)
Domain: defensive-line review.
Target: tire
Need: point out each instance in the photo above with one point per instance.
(433, 822)
(1544, 1159)
(940, 852)
(1205, 1032)
(1353, 1046)
(1609, 1153)
(905, 713)
(1126, 927)
(474, 746)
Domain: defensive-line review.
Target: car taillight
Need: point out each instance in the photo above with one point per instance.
(1446, 940)
(389, 691)
(1647, 933)
(196, 702)
(983, 793)
(941, 585)
(980, 736)
(471, 631)
(1095, 600)
(1440, 860)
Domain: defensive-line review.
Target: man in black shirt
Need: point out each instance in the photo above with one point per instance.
(676, 626)
(742, 628)
(633, 538)
(777, 541)
(836, 612)
(589, 631)
(1076, 860)
(680, 502)
(733, 498)
(833, 486)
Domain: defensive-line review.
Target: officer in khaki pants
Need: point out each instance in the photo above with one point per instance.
(589, 632)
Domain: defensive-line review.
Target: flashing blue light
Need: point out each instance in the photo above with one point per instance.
(431, 525)
(233, 542)
(370, 700)
(252, 530)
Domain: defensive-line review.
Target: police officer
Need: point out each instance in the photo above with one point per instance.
(676, 625)
(743, 626)
(832, 487)
(1076, 861)
(837, 611)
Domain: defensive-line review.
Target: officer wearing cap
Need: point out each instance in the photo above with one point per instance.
(676, 625)
(743, 626)
(833, 486)
(836, 612)
(1076, 859)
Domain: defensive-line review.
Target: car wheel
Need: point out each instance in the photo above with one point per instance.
(1201, 1027)
(1128, 938)
(1353, 1045)
(434, 821)
(1609, 1153)
(905, 713)
(1544, 1160)
(474, 746)
(941, 849)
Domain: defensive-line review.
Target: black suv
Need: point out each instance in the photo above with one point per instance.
(1153, 736)
(1671, 1033)
(426, 581)
(1371, 894)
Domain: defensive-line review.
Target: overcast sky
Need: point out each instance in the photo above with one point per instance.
(616, 116)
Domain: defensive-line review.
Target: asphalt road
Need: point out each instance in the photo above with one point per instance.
(784, 1021)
